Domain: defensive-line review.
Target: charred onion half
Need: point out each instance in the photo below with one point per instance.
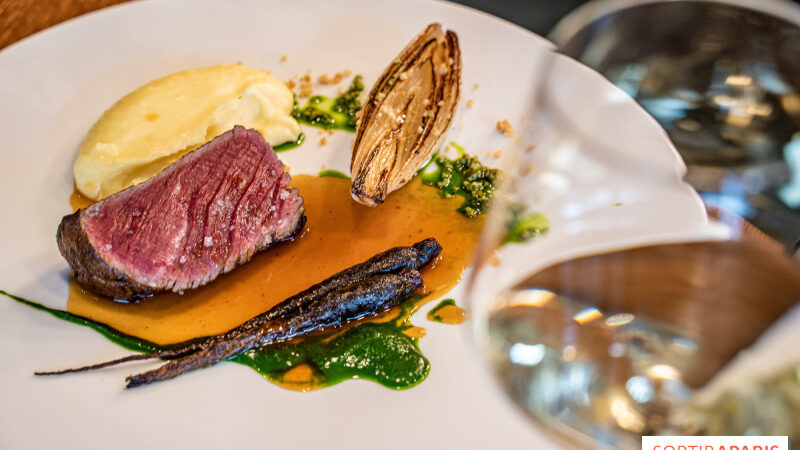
(406, 115)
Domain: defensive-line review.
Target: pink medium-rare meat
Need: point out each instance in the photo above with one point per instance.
(200, 217)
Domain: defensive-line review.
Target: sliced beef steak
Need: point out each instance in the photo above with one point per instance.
(198, 218)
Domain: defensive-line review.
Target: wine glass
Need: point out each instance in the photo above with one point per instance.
(721, 77)
(629, 317)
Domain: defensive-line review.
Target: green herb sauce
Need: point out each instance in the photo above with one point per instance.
(380, 352)
(466, 176)
(290, 145)
(340, 113)
(433, 313)
(374, 351)
(332, 174)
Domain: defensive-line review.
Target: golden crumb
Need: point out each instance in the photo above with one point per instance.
(525, 169)
(324, 167)
(286, 169)
(495, 154)
(470, 103)
(339, 90)
(504, 127)
(290, 84)
(306, 88)
(475, 86)
(330, 131)
(323, 140)
(530, 148)
(494, 260)
(328, 79)
(347, 72)
(320, 131)
(284, 58)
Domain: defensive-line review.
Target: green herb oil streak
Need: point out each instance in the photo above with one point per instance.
(332, 174)
(380, 352)
(290, 145)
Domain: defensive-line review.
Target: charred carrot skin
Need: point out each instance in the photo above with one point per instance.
(390, 261)
(368, 288)
(364, 298)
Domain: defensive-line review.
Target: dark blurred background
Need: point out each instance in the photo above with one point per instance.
(20, 18)
(538, 16)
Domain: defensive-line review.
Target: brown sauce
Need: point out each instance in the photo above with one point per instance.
(78, 200)
(415, 332)
(338, 234)
(451, 315)
(299, 378)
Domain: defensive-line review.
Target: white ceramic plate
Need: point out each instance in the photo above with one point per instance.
(54, 85)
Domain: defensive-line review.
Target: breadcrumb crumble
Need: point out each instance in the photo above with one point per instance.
(504, 127)
(495, 154)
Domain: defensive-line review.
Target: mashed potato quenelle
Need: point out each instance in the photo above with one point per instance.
(156, 124)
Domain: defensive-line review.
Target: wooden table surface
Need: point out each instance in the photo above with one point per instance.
(21, 18)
